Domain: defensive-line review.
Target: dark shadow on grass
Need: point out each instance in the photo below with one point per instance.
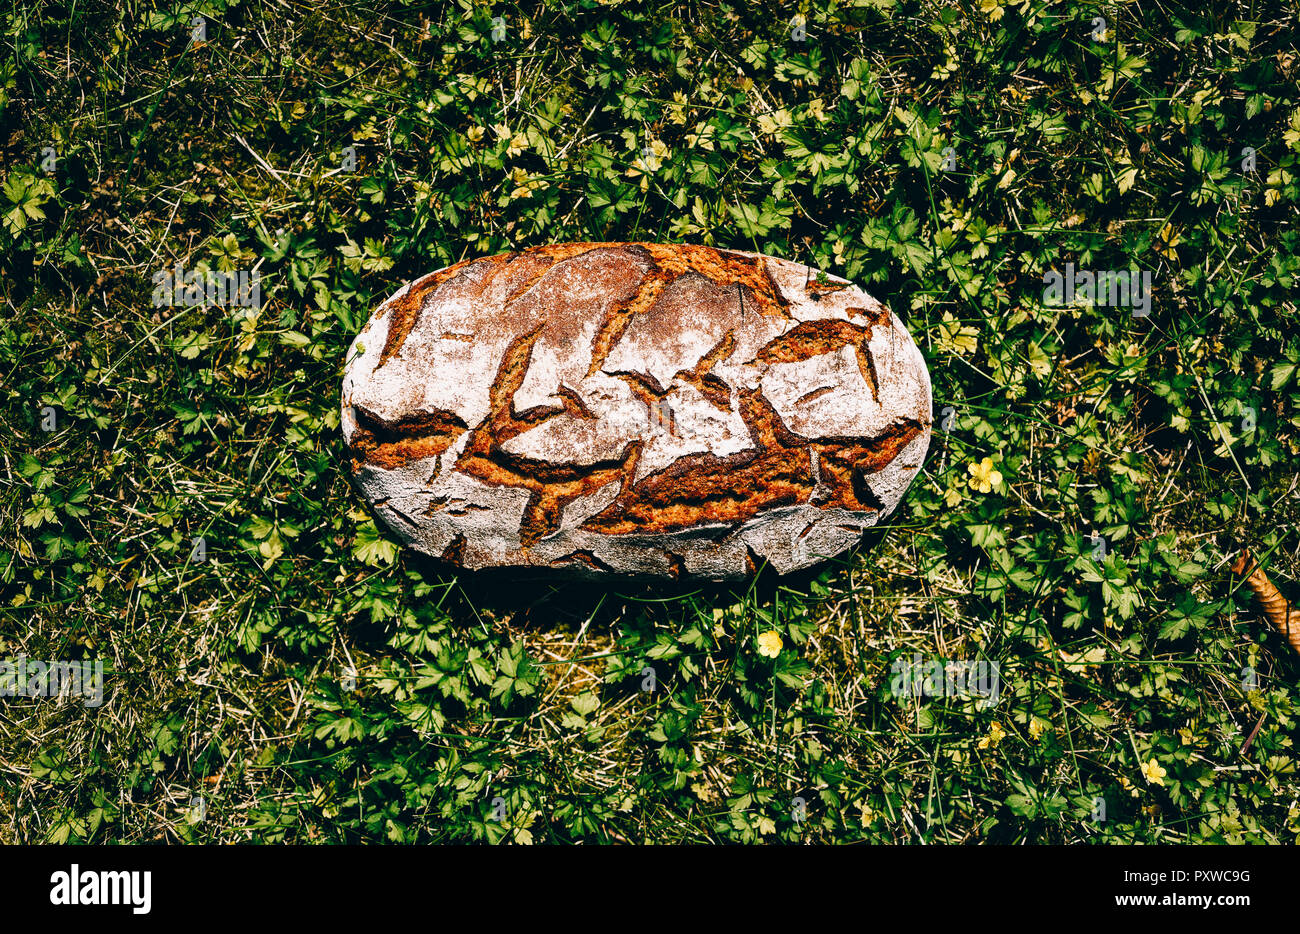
(542, 600)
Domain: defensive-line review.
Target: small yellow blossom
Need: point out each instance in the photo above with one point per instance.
(475, 134)
(769, 644)
(983, 477)
(994, 737)
(1037, 727)
(1155, 773)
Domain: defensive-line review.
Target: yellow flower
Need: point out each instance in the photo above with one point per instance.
(1037, 727)
(475, 134)
(1155, 773)
(995, 736)
(983, 477)
(769, 644)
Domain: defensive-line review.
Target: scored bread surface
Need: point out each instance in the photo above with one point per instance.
(634, 408)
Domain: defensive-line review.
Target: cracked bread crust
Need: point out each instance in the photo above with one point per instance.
(634, 409)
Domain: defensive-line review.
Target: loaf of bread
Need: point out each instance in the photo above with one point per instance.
(634, 409)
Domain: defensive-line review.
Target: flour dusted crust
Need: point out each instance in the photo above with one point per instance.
(634, 408)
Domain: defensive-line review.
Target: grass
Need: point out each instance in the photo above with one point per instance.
(306, 681)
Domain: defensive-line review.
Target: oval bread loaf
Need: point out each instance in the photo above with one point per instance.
(634, 408)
